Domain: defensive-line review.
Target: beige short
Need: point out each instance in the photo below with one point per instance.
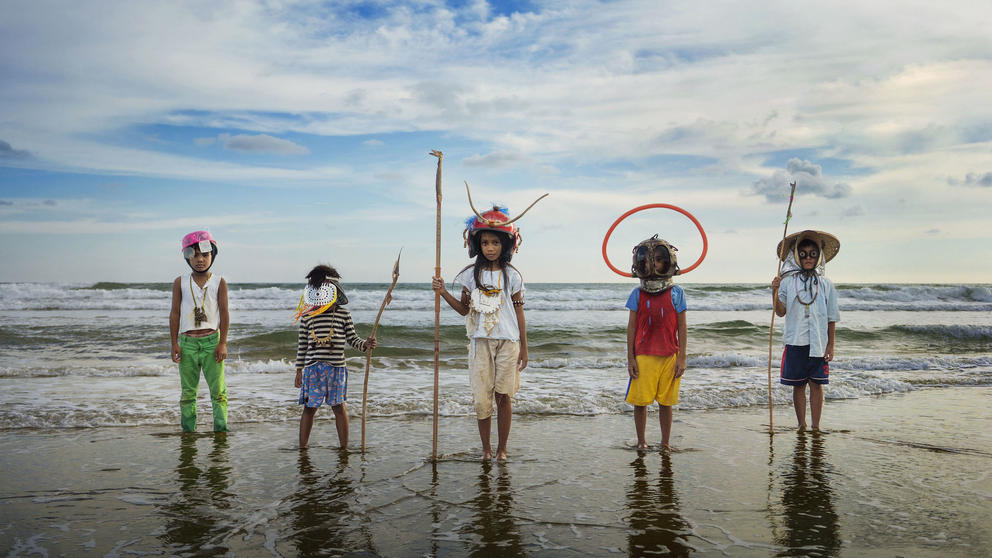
(492, 368)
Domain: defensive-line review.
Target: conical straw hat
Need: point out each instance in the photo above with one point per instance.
(828, 244)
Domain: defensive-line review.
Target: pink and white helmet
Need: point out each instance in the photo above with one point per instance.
(200, 239)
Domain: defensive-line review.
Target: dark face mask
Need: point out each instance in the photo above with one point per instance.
(644, 261)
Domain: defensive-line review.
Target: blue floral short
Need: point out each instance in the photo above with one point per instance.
(322, 383)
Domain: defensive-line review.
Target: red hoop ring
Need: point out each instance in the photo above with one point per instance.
(652, 206)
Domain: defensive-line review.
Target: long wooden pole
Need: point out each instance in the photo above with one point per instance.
(771, 329)
(368, 351)
(437, 298)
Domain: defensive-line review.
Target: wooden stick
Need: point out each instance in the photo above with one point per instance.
(771, 332)
(437, 298)
(368, 351)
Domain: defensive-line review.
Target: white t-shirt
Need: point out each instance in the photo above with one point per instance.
(808, 328)
(509, 285)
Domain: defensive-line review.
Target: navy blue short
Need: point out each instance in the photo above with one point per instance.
(798, 367)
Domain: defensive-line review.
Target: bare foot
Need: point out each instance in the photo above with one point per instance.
(666, 448)
(487, 454)
(501, 456)
(642, 445)
(802, 428)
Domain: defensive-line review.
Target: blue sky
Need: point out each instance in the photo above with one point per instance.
(300, 132)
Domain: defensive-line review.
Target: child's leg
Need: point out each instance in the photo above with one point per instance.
(213, 372)
(504, 408)
(815, 403)
(189, 381)
(485, 427)
(341, 423)
(640, 421)
(799, 402)
(306, 425)
(665, 418)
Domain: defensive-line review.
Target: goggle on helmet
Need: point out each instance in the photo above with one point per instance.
(198, 239)
(497, 221)
(654, 249)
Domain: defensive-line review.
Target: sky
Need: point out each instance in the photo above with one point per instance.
(300, 132)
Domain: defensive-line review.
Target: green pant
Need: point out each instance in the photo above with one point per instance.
(198, 354)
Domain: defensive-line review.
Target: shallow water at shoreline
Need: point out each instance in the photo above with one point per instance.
(97, 355)
(905, 474)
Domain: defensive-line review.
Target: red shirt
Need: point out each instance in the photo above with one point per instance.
(657, 325)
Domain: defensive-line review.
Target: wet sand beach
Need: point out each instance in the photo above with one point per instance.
(896, 475)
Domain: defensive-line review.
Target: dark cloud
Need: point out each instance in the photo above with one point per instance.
(8, 152)
(854, 211)
(933, 232)
(973, 179)
(391, 176)
(496, 159)
(5, 202)
(50, 203)
(809, 180)
(262, 143)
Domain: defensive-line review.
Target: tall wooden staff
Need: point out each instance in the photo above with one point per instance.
(368, 352)
(437, 297)
(771, 332)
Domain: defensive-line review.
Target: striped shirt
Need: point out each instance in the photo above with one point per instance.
(308, 351)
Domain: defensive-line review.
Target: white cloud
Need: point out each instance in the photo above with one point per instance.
(808, 177)
(568, 93)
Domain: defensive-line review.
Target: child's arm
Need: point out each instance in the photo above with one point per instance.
(460, 306)
(301, 354)
(631, 336)
(776, 303)
(828, 354)
(220, 353)
(177, 298)
(680, 360)
(518, 309)
(351, 336)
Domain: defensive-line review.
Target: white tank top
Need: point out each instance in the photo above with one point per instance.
(205, 298)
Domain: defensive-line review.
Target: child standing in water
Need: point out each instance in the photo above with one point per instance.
(198, 326)
(808, 300)
(492, 297)
(321, 369)
(656, 337)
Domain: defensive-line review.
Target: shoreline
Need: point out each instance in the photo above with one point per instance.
(894, 474)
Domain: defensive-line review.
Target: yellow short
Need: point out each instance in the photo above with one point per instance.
(655, 381)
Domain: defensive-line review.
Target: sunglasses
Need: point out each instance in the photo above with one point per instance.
(812, 253)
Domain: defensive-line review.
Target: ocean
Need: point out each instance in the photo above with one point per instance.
(96, 355)
(94, 462)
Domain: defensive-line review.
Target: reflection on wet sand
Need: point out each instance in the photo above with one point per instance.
(493, 529)
(192, 524)
(322, 520)
(655, 524)
(809, 521)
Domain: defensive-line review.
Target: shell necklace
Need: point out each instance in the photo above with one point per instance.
(800, 299)
(199, 314)
(486, 299)
(322, 341)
